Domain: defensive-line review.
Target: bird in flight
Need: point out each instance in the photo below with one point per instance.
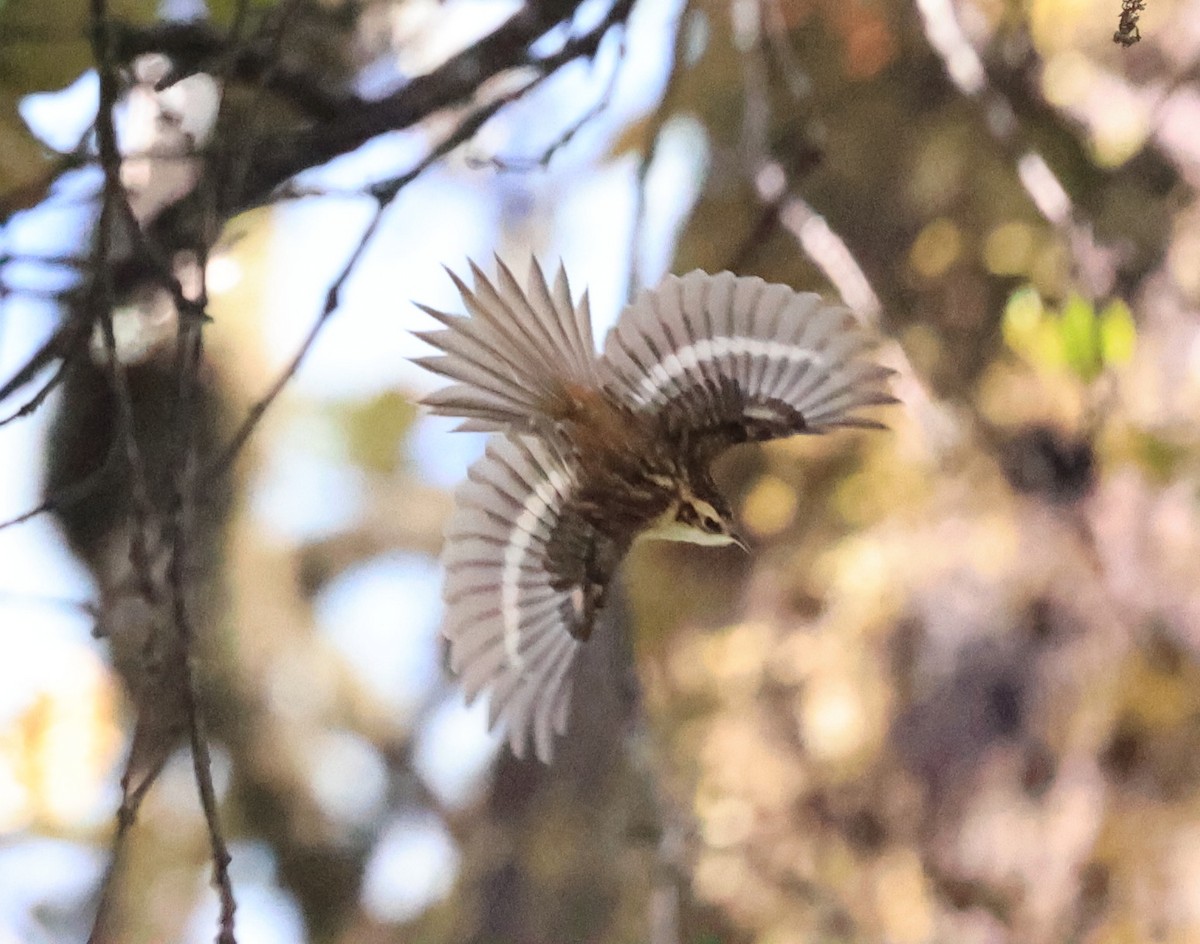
(592, 452)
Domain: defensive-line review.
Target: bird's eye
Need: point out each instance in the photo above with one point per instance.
(711, 525)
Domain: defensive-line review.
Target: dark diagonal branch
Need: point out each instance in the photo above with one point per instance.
(455, 83)
(387, 191)
(31, 405)
(384, 194)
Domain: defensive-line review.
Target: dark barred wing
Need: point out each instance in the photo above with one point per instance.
(724, 359)
(521, 589)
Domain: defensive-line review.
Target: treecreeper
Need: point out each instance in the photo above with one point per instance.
(592, 452)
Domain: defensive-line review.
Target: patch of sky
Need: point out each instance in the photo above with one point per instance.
(441, 458)
(454, 750)
(32, 276)
(61, 118)
(39, 579)
(182, 10)
(412, 867)
(53, 228)
(672, 188)
(173, 803)
(348, 778)
(40, 641)
(41, 877)
(382, 616)
(382, 157)
(26, 323)
(641, 62)
(597, 214)
(306, 490)
(379, 78)
(80, 185)
(365, 346)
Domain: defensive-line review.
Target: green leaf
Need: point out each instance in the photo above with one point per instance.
(1118, 333)
(223, 11)
(1159, 457)
(375, 430)
(1080, 332)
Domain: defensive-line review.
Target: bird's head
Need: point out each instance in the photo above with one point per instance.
(696, 519)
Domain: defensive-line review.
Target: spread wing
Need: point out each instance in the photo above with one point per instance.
(524, 577)
(722, 359)
(516, 355)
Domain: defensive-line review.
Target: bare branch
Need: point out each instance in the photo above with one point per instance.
(526, 164)
(73, 493)
(131, 802)
(30, 406)
(384, 193)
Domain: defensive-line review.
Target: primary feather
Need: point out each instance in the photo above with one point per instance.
(514, 356)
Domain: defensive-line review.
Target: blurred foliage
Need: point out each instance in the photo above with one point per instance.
(44, 46)
(1077, 337)
(376, 430)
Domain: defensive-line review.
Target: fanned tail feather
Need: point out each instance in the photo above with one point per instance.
(515, 356)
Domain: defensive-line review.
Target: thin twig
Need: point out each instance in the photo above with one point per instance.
(526, 164)
(114, 206)
(112, 200)
(189, 352)
(798, 83)
(65, 342)
(76, 491)
(384, 193)
(131, 802)
(31, 405)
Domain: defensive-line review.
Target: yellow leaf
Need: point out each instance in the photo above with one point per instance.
(1023, 318)
(1118, 333)
(1081, 338)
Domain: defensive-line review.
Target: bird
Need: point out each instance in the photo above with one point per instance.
(591, 452)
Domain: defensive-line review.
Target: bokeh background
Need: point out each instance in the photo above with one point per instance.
(954, 693)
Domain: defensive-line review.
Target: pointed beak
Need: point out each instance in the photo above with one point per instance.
(739, 541)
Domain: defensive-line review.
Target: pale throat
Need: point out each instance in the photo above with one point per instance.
(668, 527)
